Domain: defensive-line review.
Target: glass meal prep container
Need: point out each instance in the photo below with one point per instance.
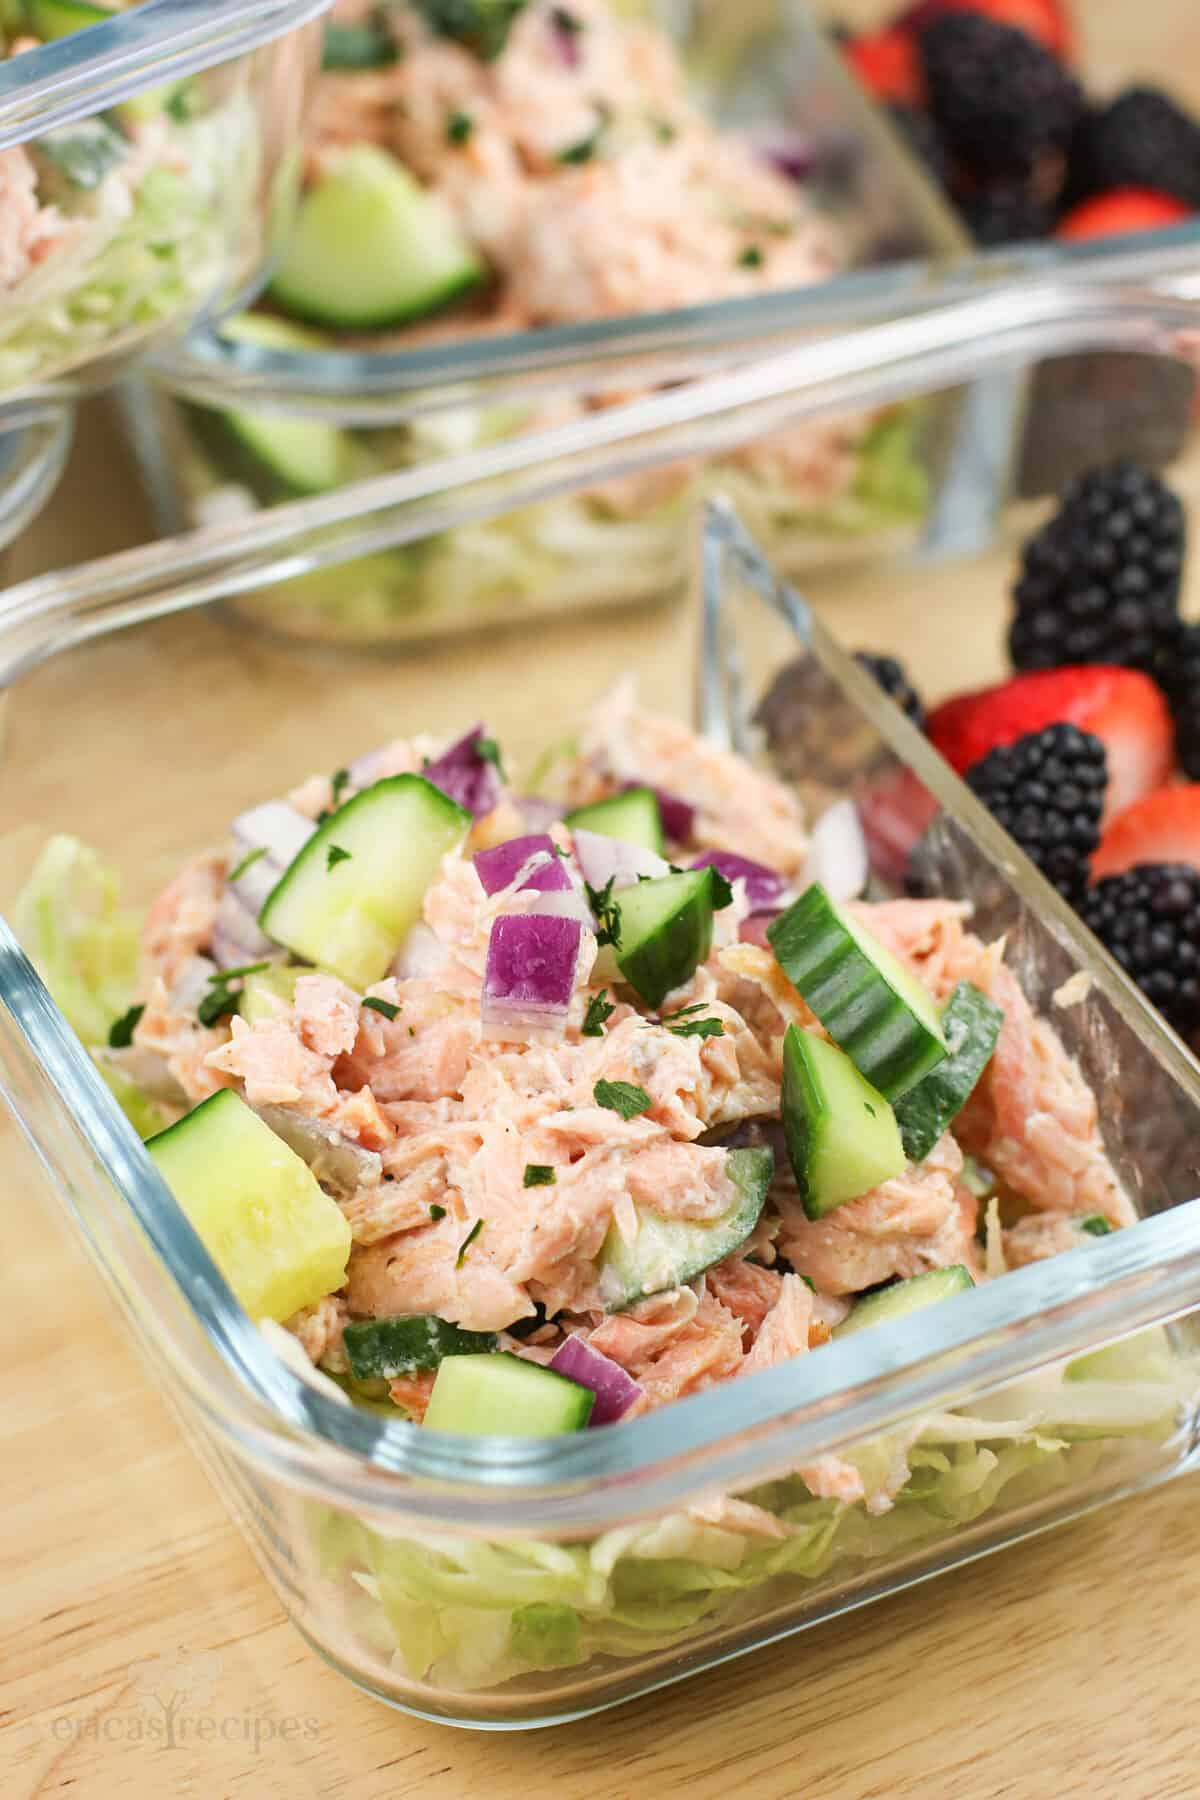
(151, 158)
(498, 1582)
(261, 415)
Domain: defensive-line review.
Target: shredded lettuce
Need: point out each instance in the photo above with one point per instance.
(69, 920)
(464, 1614)
(136, 254)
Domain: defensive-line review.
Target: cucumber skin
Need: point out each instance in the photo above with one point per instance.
(901, 1299)
(862, 1013)
(926, 1110)
(388, 1348)
(699, 1245)
(669, 955)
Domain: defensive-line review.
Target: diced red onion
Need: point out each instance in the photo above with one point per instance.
(764, 887)
(565, 37)
(677, 814)
(615, 1389)
(236, 938)
(530, 975)
(499, 867)
(280, 832)
(370, 767)
(538, 813)
(192, 983)
(467, 777)
(420, 955)
(790, 152)
(837, 852)
(334, 1160)
(603, 859)
(753, 930)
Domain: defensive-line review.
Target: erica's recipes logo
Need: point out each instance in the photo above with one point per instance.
(174, 1703)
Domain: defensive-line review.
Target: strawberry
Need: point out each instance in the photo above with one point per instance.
(1163, 827)
(887, 65)
(1120, 213)
(1047, 22)
(1123, 708)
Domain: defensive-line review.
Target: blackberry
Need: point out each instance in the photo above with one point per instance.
(893, 679)
(1006, 213)
(1100, 582)
(1141, 140)
(999, 99)
(923, 139)
(1047, 790)
(1178, 674)
(1149, 919)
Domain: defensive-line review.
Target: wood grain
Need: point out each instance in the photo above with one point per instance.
(1064, 1667)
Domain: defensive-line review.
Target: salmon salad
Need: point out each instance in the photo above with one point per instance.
(500, 1111)
(117, 223)
(476, 171)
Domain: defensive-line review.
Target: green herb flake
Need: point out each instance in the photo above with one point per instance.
(870, 1109)
(566, 21)
(373, 1004)
(664, 131)
(599, 1008)
(365, 45)
(437, 1212)
(482, 26)
(488, 750)
(700, 1028)
(220, 998)
(248, 861)
(459, 127)
(583, 151)
(474, 1232)
(684, 1012)
(336, 855)
(607, 912)
(120, 1034)
(722, 893)
(622, 1097)
(750, 258)
(1096, 1225)
(539, 1175)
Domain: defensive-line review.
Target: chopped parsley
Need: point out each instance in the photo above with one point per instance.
(367, 45)
(722, 893)
(870, 1109)
(248, 861)
(474, 1232)
(488, 750)
(437, 1212)
(1096, 1225)
(684, 1012)
(219, 1000)
(701, 1028)
(608, 913)
(750, 258)
(566, 21)
(539, 1175)
(481, 25)
(459, 127)
(599, 1008)
(664, 131)
(386, 1007)
(339, 781)
(583, 151)
(336, 855)
(120, 1033)
(622, 1097)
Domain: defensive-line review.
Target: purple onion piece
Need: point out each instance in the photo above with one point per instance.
(789, 152)
(421, 955)
(467, 777)
(615, 1390)
(677, 814)
(498, 868)
(754, 929)
(538, 813)
(603, 859)
(274, 827)
(564, 30)
(530, 974)
(236, 938)
(837, 853)
(764, 887)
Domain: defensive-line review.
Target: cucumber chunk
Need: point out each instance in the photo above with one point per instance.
(404, 1346)
(262, 991)
(275, 455)
(634, 817)
(867, 1001)
(665, 931)
(278, 1239)
(355, 890)
(372, 248)
(970, 1025)
(666, 1253)
(904, 1297)
(841, 1134)
(490, 1396)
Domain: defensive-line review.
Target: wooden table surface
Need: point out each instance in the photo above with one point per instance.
(1065, 1667)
